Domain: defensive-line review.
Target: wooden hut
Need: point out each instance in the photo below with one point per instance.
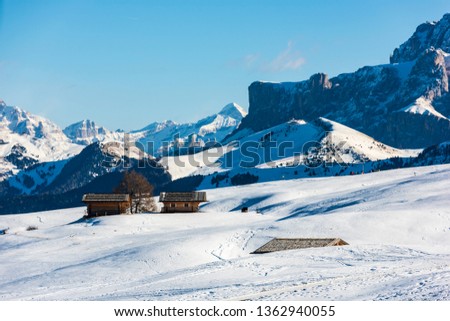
(181, 202)
(106, 204)
(283, 244)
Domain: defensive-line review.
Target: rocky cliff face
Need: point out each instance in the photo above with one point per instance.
(372, 99)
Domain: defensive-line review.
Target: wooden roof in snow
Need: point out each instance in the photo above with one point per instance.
(182, 197)
(283, 244)
(105, 198)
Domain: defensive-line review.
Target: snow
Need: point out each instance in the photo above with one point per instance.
(123, 149)
(201, 163)
(396, 222)
(41, 175)
(234, 111)
(279, 151)
(158, 138)
(365, 145)
(216, 126)
(44, 141)
(422, 106)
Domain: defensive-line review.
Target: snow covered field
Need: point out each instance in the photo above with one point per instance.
(396, 222)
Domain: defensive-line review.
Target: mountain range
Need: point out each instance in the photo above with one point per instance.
(165, 136)
(28, 139)
(376, 118)
(39, 160)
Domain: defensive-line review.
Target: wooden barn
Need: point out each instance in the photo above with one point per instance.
(284, 244)
(181, 202)
(106, 204)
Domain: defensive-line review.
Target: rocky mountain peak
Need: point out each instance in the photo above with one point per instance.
(21, 122)
(233, 110)
(427, 35)
(87, 131)
(319, 82)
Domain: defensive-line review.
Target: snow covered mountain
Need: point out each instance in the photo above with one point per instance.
(286, 151)
(98, 168)
(95, 160)
(375, 100)
(27, 139)
(165, 137)
(87, 132)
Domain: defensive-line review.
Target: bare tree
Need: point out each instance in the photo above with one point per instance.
(140, 191)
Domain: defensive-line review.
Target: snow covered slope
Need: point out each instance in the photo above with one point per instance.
(422, 106)
(26, 139)
(280, 151)
(94, 160)
(396, 222)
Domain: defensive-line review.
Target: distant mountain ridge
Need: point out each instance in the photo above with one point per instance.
(166, 136)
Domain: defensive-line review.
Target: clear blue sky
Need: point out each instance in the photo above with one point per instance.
(125, 64)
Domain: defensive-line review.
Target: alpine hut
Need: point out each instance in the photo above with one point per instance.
(106, 204)
(181, 202)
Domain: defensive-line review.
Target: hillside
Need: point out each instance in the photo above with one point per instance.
(287, 151)
(396, 222)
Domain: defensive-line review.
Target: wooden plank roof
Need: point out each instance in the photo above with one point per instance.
(106, 198)
(182, 197)
(283, 244)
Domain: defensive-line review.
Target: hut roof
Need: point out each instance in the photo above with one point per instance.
(106, 198)
(283, 244)
(182, 197)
